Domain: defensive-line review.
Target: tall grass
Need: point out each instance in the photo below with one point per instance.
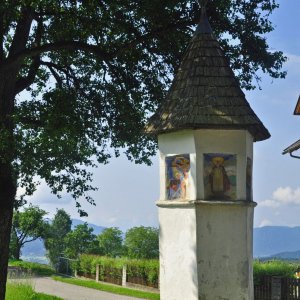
(23, 291)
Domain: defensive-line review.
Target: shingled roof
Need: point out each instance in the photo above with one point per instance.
(205, 93)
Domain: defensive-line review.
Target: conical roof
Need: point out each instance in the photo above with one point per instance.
(205, 93)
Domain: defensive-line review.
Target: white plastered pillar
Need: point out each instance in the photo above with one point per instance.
(206, 243)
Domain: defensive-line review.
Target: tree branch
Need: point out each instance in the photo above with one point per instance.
(82, 46)
(56, 46)
(154, 33)
(22, 32)
(28, 241)
(25, 82)
(56, 76)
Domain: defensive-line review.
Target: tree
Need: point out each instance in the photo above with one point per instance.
(27, 226)
(58, 229)
(142, 242)
(111, 242)
(81, 240)
(93, 71)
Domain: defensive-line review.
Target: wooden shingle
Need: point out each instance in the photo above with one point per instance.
(205, 93)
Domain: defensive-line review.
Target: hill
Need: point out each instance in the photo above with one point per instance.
(35, 251)
(273, 240)
(292, 255)
(97, 229)
(269, 241)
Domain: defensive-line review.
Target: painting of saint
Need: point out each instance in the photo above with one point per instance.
(220, 176)
(177, 174)
(249, 179)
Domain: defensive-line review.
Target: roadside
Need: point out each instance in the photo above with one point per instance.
(71, 292)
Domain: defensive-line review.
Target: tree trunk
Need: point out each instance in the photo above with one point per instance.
(7, 196)
(18, 252)
(8, 179)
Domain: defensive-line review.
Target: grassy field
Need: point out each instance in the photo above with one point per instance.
(22, 291)
(108, 288)
(35, 268)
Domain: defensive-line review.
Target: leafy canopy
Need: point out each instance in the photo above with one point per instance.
(85, 76)
(142, 242)
(27, 226)
(57, 231)
(80, 240)
(111, 242)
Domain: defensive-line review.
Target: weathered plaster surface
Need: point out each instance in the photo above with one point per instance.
(206, 246)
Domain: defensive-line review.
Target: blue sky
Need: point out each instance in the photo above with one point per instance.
(127, 192)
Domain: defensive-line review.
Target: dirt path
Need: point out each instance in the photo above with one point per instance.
(72, 292)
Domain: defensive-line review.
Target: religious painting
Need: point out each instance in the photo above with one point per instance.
(219, 176)
(249, 179)
(177, 175)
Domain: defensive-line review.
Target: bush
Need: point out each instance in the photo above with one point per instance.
(273, 268)
(146, 269)
(109, 267)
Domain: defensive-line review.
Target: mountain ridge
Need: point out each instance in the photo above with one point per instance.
(268, 242)
(35, 251)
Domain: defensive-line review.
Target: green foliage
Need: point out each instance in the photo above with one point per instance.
(18, 291)
(27, 226)
(145, 269)
(57, 231)
(148, 269)
(108, 265)
(110, 242)
(36, 269)
(93, 84)
(273, 268)
(142, 242)
(80, 240)
(109, 288)
(93, 72)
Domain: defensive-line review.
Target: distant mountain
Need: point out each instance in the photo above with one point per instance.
(35, 251)
(274, 240)
(293, 255)
(97, 229)
(269, 241)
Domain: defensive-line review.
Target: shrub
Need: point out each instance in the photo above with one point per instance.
(272, 268)
(147, 269)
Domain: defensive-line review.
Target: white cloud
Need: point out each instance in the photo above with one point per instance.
(293, 64)
(283, 196)
(286, 195)
(293, 59)
(265, 222)
(112, 220)
(269, 203)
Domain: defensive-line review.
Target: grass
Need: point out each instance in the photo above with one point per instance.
(36, 268)
(108, 288)
(22, 291)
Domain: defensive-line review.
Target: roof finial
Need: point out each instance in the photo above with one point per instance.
(204, 26)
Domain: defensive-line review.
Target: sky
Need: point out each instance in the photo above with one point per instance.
(127, 192)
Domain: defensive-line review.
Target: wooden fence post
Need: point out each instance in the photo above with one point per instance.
(75, 273)
(124, 275)
(97, 272)
(276, 288)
